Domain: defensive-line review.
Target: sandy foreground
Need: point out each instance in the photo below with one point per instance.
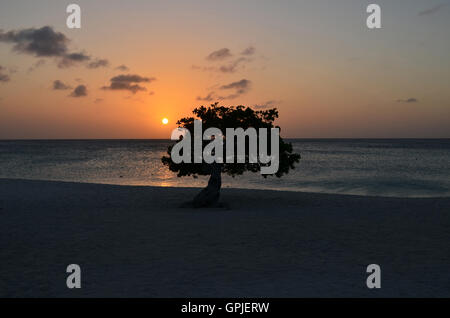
(137, 242)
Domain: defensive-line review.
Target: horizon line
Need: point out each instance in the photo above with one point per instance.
(167, 139)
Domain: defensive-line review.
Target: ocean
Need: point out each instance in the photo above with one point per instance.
(375, 167)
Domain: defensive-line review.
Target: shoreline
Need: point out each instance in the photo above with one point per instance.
(227, 188)
(135, 241)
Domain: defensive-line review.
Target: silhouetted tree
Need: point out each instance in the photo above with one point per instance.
(228, 117)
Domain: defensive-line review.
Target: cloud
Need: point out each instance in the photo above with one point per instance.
(98, 100)
(98, 63)
(129, 78)
(207, 98)
(122, 67)
(204, 68)
(38, 42)
(36, 65)
(73, 58)
(79, 91)
(249, 51)
(45, 42)
(115, 86)
(233, 66)
(127, 82)
(219, 55)
(265, 105)
(3, 77)
(58, 85)
(239, 87)
(432, 10)
(409, 100)
(230, 67)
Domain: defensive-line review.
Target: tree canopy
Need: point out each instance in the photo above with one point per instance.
(232, 117)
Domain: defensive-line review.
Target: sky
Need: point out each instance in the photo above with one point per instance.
(133, 63)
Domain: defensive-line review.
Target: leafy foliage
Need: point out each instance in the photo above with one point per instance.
(232, 117)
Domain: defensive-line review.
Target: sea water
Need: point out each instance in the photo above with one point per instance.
(378, 167)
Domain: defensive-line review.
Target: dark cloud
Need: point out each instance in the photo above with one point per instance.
(116, 86)
(127, 82)
(72, 59)
(38, 42)
(207, 98)
(98, 63)
(249, 51)
(233, 66)
(239, 87)
(47, 43)
(268, 104)
(432, 10)
(409, 100)
(219, 55)
(130, 78)
(122, 67)
(79, 91)
(4, 77)
(58, 85)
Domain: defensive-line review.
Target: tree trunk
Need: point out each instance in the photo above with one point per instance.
(209, 196)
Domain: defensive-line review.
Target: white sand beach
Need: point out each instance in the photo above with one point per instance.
(137, 242)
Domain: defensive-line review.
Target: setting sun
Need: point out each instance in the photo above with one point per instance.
(165, 121)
